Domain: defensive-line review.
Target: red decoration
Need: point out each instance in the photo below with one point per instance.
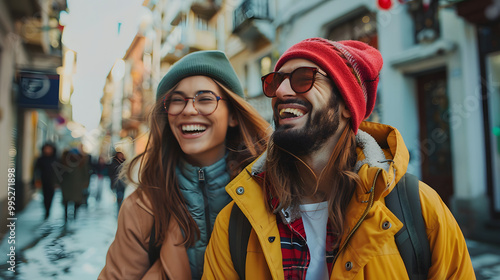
(426, 4)
(385, 4)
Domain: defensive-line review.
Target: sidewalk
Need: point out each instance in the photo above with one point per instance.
(51, 249)
(485, 260)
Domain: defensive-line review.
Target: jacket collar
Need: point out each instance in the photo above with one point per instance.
(212, 173)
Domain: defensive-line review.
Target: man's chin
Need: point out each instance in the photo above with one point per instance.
(293, 140)
(284, 128)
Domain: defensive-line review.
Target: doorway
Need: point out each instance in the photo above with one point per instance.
(435, 143)
(493, 85)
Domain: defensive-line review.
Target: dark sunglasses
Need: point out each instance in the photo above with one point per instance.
(301, 80)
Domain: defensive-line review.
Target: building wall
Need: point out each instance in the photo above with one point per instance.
(11, 52)
(7, 118)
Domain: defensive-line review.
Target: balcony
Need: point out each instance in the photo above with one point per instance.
(22, 8)
(185, 39)
(37, 23)
(252, 22)
(205, 8)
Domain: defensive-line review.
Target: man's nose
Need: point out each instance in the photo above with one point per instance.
(285, 89)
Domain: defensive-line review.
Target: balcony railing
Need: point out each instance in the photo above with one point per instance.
(184, 39)
(248, 10)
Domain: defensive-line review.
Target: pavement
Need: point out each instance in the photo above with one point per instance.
(52, 249)
(485, 259)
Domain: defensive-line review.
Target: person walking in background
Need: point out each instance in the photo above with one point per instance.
(316, 201)
(117, 183)
(202, 133)
(100, 170)
(75, 179)
(44, 172)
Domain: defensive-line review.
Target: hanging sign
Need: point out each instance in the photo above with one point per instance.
(38, 90)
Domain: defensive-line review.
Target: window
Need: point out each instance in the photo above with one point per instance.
(265, 65)
(362, 28)
(426, 19)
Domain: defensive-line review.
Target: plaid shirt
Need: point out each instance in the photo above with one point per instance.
(294, 249)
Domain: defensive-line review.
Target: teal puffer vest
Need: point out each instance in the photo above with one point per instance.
(205, 195)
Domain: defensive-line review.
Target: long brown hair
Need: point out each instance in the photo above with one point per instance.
(157, 179)
(284, 181)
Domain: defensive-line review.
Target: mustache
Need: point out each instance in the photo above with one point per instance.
(292, 101)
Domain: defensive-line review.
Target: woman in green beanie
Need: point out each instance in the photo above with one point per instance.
(202, 134)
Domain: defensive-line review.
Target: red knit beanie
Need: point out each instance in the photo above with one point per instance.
(352, 65)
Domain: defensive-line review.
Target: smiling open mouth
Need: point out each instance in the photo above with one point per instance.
(193, 128)
(286, 113)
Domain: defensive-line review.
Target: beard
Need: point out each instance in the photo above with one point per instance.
(318, 128)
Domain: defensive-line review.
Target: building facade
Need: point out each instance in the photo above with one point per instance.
(29, 96)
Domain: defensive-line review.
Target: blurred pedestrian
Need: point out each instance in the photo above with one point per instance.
(117, 183)
(88, 167)
(202, 133)
(75, 179)
(100, 171)
(45, 172)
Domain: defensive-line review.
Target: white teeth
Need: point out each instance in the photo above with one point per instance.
(193, 128)
(296, 112)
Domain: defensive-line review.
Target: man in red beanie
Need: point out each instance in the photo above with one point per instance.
(316, 200)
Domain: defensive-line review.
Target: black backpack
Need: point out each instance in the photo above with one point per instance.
(403, 201)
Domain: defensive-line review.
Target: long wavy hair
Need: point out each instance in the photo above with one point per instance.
(284, 181)
(157, 179)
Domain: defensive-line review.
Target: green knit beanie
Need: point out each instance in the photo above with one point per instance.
(212, 64)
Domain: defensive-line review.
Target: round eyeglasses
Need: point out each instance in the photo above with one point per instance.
(204, 102)
(301, 80)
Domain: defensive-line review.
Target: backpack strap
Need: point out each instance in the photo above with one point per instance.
(153, 250)
(239, 233)
(412, 242)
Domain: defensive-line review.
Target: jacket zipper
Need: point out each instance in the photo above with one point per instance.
(201, 182)
(368, 207)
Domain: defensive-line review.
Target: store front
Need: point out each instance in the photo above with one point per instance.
(489, 41)
(482, 14)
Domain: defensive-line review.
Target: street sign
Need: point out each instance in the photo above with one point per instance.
(38, 90)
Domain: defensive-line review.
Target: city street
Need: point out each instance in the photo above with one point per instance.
(51, 249)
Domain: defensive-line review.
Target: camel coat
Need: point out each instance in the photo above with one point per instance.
(127, 257)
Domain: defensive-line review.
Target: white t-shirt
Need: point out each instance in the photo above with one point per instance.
(315, 218)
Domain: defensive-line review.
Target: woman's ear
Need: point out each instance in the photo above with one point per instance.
(233, 121)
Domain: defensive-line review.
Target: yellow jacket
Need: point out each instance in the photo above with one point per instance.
(370, 249)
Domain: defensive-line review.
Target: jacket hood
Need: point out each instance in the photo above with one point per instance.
(380, 147)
